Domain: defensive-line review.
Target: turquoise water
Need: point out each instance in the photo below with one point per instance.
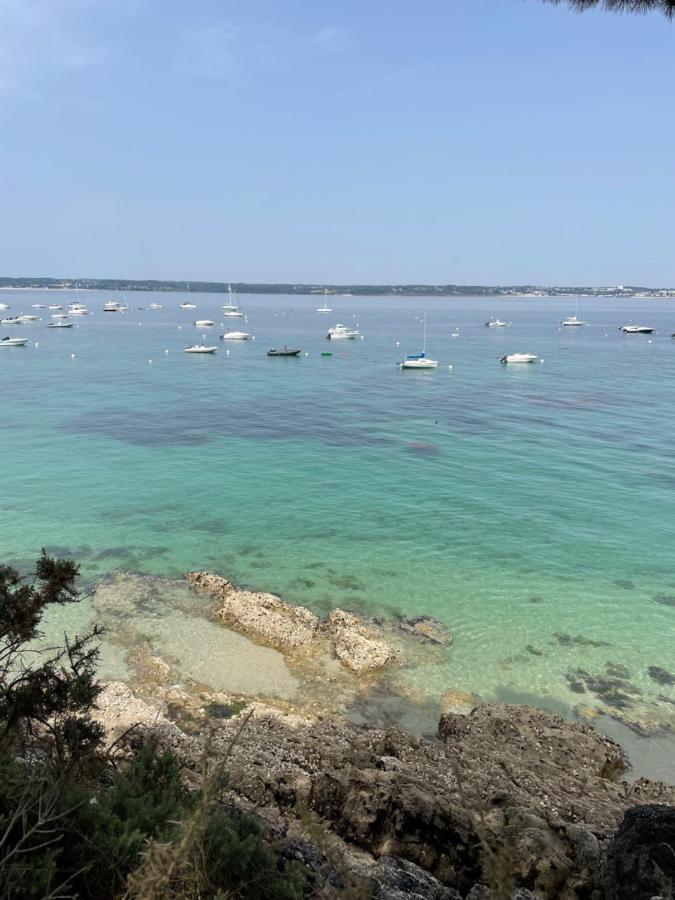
(530, 508)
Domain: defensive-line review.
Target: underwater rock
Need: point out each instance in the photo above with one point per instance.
(660, 676)
(427, 628)
(665, 599)
(358, 647)
(458, 701)
(578, 640)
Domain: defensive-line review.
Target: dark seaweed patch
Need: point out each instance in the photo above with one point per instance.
(665, 599)
(578, 640)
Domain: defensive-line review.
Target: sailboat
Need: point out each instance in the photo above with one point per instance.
(325, 308)
(574, 320)
(188, 304)
(420, 360)
(231, 310)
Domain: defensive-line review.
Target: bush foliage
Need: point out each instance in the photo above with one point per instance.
(76, 821)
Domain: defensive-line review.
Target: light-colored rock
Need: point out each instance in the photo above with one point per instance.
(357, 646)
(118, 709)
(458, 701)
(264, 617)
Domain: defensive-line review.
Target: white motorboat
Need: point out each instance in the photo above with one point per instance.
(37, 306)
(60, 324)
(235, 336)
(78, 309)
(342, 333)
(4, 305)
(155, 306)
(231, 310)
(12, 320)
(55, 306)
(188, 305)
(420, 360)
(204, 323)
(112, 306)
(60, 315)
(495, 323)
(200, 348)
(636, 329)
(519, 358)
(28, 317)
(13, 342)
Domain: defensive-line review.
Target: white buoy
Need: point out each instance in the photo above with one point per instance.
(252, 337)
(397, 344)
(179, 327)
(166, 351)
(227, 353)
(149, 362)
(449, 367)
(72, 356)
(36, 345)
(361, 337)
(306, 354)
(649, 341)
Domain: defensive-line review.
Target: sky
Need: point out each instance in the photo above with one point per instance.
(345, 141)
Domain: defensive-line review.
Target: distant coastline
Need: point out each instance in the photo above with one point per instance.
(369, 290)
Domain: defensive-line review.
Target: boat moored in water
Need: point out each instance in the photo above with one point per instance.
(283, 351)
(12, 320)
(13, 342)
(495, 323)
(235, 336)
(342, 333)
(112, 306)
(636, 329)
(200, 348)
(61, 323)
(204, 323)
(572, 321)
(518, 358)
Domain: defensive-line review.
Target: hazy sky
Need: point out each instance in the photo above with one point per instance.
(466, 141)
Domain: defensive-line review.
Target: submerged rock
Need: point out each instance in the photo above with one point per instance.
(357, 646)
(661, 676)
(427, 628)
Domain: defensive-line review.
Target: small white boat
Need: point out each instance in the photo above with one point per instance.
(12, 320)
(200, 348)
(235, 336)
(13, 342)
(36, 306)
(571, 321)
(342, 333)
(112, 306)
(60, 324)
(60, 316)
(188, 305)
(636, 329)
(27, 317)
(77, 309)
(204, 323)
(56, 306)
(4, 305)
(231, 310)
(420, 360)
(519, 358)
(495, 323)
(155, 306)
(325, 308)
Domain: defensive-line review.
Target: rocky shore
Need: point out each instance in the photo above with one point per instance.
(503, 801)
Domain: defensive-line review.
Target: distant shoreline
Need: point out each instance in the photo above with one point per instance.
(354, 290)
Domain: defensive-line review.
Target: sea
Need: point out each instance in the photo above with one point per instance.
(530, 508)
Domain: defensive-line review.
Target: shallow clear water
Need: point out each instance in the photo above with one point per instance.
(526, 507)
